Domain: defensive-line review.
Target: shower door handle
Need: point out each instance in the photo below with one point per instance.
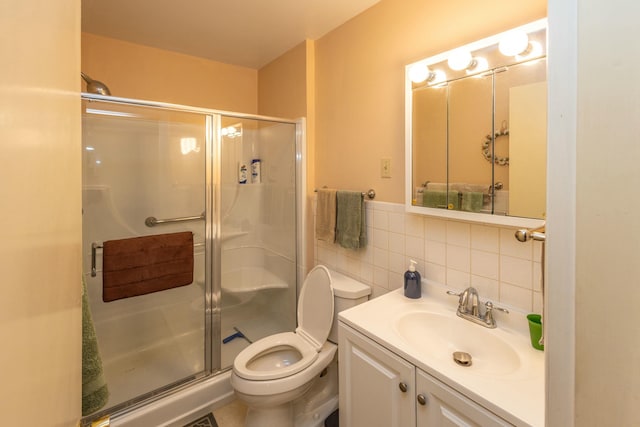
(94, 247)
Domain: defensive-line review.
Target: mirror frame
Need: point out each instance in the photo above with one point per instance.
(504, 220)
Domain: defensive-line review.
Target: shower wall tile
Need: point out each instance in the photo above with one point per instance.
(453, 253)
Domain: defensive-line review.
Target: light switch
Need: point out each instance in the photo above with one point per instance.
(385, 168)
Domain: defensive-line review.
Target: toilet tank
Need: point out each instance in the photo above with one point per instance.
(347, 293)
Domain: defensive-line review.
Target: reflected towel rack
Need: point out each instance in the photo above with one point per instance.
(371, 194)
(95, 246)
(152, 221)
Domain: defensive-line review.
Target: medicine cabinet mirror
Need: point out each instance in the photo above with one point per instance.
(476, 130)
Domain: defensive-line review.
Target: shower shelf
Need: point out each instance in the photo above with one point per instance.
(250, 279)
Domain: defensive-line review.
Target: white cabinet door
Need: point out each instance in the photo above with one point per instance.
(442, 406)
(372, 381)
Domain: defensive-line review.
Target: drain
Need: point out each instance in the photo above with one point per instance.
(462, 358)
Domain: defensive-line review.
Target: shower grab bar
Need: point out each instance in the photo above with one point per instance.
(371, 194)
(95, 246)
(152, 221)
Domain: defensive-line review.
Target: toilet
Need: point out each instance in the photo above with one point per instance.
(290, 379)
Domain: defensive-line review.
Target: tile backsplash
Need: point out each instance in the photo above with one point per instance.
(453, 253)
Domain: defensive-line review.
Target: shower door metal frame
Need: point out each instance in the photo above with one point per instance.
(213, 280)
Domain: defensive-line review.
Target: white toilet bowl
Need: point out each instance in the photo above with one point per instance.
(271, 373)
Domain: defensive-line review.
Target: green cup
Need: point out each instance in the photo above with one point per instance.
(535, 330)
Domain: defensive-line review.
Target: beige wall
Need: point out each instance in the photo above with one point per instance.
(282, 85)
(607, 223)
(141, 72)
(360, 81)
(40, 246)
(286, 89)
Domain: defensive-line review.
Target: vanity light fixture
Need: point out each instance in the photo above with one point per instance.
(479, 65)
(514, 43)
(419, 73)
(533, 50)
(436, 78)
(460, 59)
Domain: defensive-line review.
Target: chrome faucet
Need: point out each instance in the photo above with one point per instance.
(468, 308)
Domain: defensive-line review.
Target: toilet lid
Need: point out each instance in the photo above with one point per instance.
(315, 307)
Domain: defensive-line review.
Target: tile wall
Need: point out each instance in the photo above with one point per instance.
(453, 253)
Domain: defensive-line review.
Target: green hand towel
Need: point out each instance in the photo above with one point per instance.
(472, 201)
(95, 393)
(350, 223)
(438, 199)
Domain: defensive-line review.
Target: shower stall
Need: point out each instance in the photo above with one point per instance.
(234, 182)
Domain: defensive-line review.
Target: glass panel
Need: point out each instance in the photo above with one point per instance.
(429, 160)
(521, 108)
(470, 126)
(258, 230)
(140, 162)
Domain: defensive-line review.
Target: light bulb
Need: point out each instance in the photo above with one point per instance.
(460, 59)
(513, 43)
(419, 73)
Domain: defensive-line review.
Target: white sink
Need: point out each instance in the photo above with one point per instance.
(438, 336)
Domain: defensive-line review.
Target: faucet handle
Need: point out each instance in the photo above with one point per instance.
(490, 307)
(488, 314)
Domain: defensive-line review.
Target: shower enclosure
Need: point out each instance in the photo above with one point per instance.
(157, 169)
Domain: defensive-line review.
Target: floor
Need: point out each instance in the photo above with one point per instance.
(231, 415)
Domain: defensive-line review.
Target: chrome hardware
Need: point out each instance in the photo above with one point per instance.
(532, 234)
(371, 194)
(152, 221)
(468, 308)
(403, 387)
(94, 247)
(422, 399)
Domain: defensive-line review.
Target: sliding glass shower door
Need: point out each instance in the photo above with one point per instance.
(144, 174)
(224, 185)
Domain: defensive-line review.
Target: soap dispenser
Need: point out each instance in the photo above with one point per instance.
(412, 282)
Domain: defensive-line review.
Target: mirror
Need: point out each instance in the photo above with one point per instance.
(476, 130)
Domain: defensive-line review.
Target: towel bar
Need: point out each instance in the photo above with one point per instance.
(152, 221)
(371, 194)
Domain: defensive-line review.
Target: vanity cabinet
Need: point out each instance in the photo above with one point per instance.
(377, 387)
(380, 389)
(440, 405)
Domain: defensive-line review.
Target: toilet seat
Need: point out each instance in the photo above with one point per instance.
(269, 344)
(315, 316)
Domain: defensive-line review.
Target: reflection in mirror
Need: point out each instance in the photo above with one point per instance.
(476, 130)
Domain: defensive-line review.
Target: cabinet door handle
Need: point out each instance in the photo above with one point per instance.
(422, 399)
(403, 387)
